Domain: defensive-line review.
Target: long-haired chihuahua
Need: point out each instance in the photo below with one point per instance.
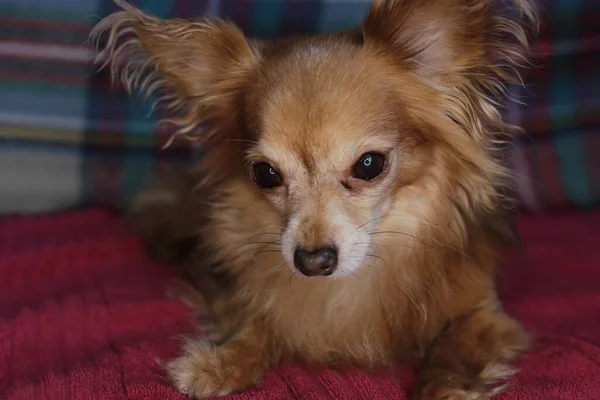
(351, 205)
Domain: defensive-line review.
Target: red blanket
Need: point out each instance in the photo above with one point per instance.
(83, 316)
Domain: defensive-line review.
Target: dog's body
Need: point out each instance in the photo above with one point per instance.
(350, 206)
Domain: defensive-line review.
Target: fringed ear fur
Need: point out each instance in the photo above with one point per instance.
(465, 54)
(196, 67)
(469, 50)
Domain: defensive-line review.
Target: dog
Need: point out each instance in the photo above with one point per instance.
(351, 203)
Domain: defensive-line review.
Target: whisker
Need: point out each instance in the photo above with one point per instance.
(265, 248)
(256, 242)
(262, 233)
(290, 281)
(423, 241)
(395, 232)
(406, 292)
(377, 257)
(387, 246)
(266, 244)
(369, 222)
(357, 277)
(243, 141)
(404, 216)
(267, 251)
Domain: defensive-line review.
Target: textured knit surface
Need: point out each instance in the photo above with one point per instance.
(67, 138)
(83, 316)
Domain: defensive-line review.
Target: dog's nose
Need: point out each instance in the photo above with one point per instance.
(321, 261)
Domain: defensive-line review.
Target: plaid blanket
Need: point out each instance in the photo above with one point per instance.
(68, 139)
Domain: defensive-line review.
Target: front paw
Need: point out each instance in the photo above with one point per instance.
(453, 393)
(205, 370)
(451, 386)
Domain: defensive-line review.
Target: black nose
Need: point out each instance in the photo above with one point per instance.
(321, 261)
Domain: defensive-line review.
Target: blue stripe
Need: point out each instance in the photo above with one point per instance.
(139, 119)
(267, 18)
(340, 15)
(574, 174)
(82, 7)
(38, 147)
(135, 173)
(55, 104)
(160, 9)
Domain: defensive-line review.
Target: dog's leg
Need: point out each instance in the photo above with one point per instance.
(472, 357)
(164, 216)
(206, 369)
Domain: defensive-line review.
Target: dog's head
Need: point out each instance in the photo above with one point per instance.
(331, 128)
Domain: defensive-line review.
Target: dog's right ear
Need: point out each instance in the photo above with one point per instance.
(197, 66)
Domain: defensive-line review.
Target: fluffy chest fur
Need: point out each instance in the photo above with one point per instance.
(320, 319)
(383, 312)
(326, 321)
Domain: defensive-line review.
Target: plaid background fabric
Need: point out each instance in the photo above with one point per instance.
(68, 139)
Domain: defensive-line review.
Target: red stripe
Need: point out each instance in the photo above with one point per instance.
(549, 167)
(592, 149)
(44, 42)
(45, 78)
(43, 59)
(30, 23)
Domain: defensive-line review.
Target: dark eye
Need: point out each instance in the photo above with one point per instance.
(265, 176)
(370, 166)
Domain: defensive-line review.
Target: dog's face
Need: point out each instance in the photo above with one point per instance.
(331, 128)
(330, 148)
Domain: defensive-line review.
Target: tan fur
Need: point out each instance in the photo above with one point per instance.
(419, 82)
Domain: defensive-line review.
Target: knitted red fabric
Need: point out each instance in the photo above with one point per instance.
(83, 316)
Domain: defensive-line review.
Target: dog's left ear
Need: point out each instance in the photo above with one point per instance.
(469, 49)
(443, 38)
